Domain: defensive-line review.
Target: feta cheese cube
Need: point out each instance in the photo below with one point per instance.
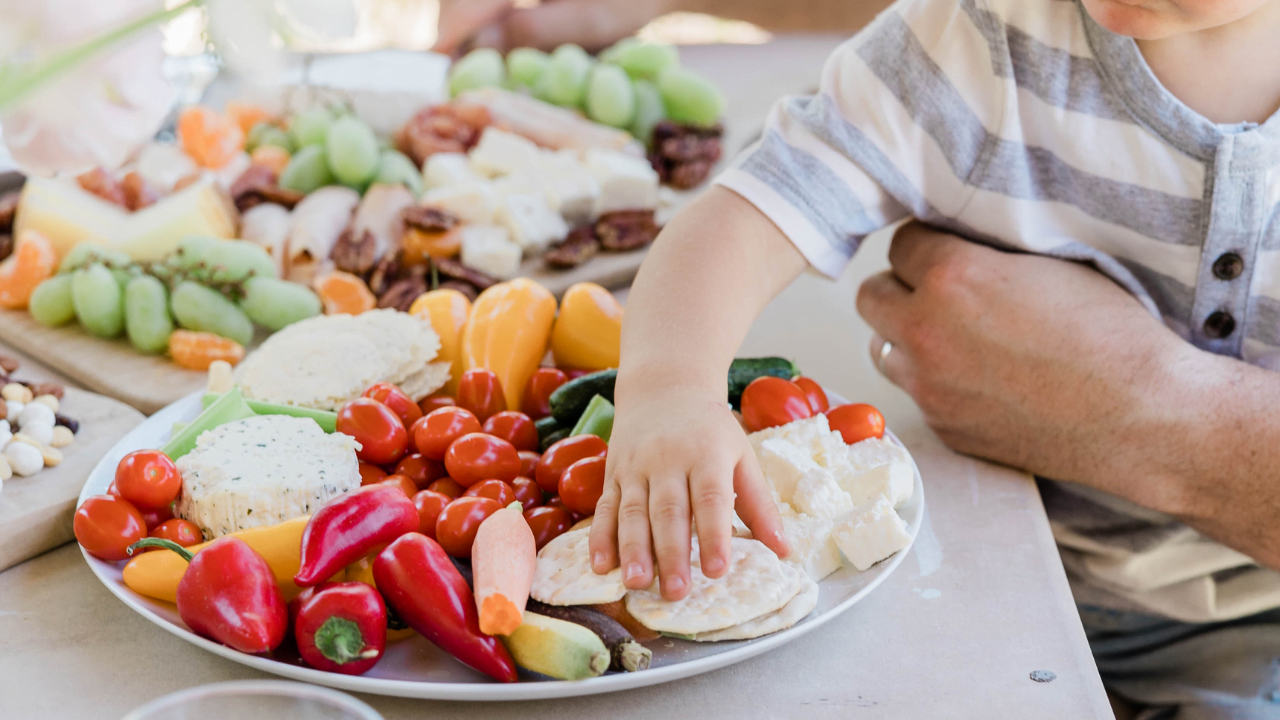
(470, 202)
(818, 494)
(446, 169)
(873, 533)
(812, 546)
(783, 463)
(895, 481)
(569, 186)
(503, 153)
(487, 249)
(626, 182)
(531, 222)
(801, 432)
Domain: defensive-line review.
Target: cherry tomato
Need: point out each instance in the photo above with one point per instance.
(403, 482)
(769, 401)
(582, 484)
(420, 470)
(432, 403)
(430, 504)
(497, 490)
(439, 428)
(448, 487)
(370, 473)
(537, 393)
(105, 526)
(148, 479)
(477, 456)
(514, 427)
(560, 456)
(856, 422)
(480, 391)
(394, 398)
(558, 502)
(381, 435)
(813, 391)
(112, 491)
(575, 374)
(547, 523)
(528, 463)
(457, 524)
(183, 532)
(527, 492)
(154, 518)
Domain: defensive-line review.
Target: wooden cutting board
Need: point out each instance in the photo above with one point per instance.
(35, 512)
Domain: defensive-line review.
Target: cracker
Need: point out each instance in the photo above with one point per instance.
(563, 575)
(797, 609)
(427, 379)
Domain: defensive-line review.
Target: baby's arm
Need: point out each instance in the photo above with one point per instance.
(676, 446)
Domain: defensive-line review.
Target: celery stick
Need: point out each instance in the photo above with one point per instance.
(328, 421)
(596, 420)
(178, 427)
(228, 408)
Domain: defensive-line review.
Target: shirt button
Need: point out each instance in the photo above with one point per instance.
(1228, 266)
(1219, 324)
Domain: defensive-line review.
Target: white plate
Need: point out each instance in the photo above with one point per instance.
(415, 668)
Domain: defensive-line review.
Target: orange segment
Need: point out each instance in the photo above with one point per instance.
(197, 350)
(343, 293)
(245, 114)
(419, 244)
(209, 137)
(31, 263)
(270, 156)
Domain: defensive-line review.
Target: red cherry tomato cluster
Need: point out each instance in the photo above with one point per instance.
(770, 401)
(138, 504)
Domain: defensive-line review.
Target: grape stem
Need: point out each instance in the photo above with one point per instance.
(233, 290)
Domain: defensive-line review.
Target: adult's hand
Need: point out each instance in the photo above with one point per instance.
(593, 24)
(1047, 365)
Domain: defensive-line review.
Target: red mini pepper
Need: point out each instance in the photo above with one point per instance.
(229, 594)
(421, 584)
(350, 527)
(340, 627)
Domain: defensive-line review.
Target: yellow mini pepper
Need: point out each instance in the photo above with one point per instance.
(588, 333)
(508, 332)
(447, 309)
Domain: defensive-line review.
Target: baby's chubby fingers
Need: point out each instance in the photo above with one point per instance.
(634, 543)
(669, 515)
(756, 507)
(711, 493)
(604, 529)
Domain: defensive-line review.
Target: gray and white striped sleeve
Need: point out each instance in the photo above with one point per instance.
(874, 145)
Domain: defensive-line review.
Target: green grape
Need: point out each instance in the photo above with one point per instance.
(236, 260)
(275, 304)
(482, 67)
(309, 127)
(191, 251)
(352, 151)
(649, 111)
(610, 98)
(394, 167)
(525, 66)
(690, 98)
(307, 171)
(146, 314)
(199, 308)
(51, 303)
(611, 53)
(86, 253)
(564, 82)
(98, 300)
(264, 133)
(646, 60)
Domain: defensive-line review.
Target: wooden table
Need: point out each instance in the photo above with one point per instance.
(980, 604)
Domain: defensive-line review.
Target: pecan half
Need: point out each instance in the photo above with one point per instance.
(684, 155)
(352, 254)
(100, 183)
(138, 193)
(428, 218)
(387, 271)
(442, 128)
(626, 229)
(401, 294)
(465, 288)
(580, 246)
(257, 185)
(455, 270)
(8, 208)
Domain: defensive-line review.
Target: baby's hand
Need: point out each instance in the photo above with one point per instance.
(673, 450)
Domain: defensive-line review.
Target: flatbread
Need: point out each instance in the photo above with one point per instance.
(793, 612)
(755, 584)
(564, 576)
(429, 379)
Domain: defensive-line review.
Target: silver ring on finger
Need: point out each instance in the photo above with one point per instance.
(883, 357)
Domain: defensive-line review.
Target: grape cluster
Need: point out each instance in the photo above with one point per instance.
(633, 85)
(207, 284)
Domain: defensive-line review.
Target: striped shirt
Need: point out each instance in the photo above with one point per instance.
(1024, 125)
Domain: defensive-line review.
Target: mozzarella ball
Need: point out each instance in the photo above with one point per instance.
(35, 413)
(23, 458)
(39, 432)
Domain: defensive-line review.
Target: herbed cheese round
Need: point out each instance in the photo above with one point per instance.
(263, 470)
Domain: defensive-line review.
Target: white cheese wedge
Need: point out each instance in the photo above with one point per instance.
(626, 182)
(783, 463)
(818, 494)
(503, 153)
(871, 534)
(447, 169)
(803, 433)
(812, 546)
(488, 249)
(530, 221)
(569, 186)
(470, 202)
(874, 467)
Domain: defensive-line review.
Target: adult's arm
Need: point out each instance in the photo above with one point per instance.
(1049, 366)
